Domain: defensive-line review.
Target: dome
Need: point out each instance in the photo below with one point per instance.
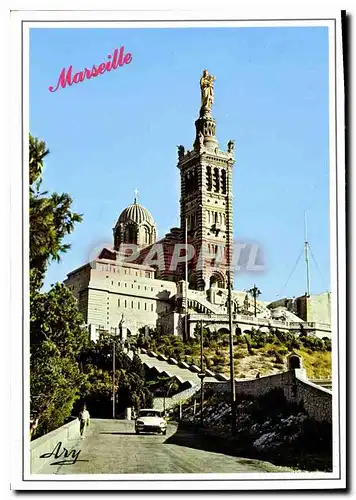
(135, 226)
(136, 213)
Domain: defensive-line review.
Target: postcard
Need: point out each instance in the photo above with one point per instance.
(179, 317)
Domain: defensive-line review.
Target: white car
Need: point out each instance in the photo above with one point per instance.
(150, 420)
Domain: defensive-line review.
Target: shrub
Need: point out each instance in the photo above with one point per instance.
(327, 343)
(239, 355)
(278, 359)
(239, 340)
(218, 360)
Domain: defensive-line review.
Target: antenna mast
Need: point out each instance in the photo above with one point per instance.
(306, 246)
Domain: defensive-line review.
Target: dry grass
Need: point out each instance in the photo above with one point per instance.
(263, 361)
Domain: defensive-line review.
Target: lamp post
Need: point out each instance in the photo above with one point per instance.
(229, 306)
(201, 375)
(113, 374)
(114, 364)
(165, 395)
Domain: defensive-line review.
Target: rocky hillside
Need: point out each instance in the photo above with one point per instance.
(268, 428)
(255, 353)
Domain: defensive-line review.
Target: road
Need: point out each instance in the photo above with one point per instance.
(112, 447)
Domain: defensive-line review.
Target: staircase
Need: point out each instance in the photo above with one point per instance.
(198, 301)
(173, 370)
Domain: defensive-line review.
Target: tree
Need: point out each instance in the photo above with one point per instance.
(56, 333)
(131, 387)
(51, 218)
(255, 292)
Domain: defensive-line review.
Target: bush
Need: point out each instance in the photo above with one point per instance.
(271, 352)
(259, 339)
(239, 355)
(218, 360)
(239, 340)
(327, 343)
(278, 359)
(313, 343)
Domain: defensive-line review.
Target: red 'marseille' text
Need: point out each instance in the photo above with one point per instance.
(119, 58)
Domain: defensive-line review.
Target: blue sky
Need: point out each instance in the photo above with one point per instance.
(119, 131)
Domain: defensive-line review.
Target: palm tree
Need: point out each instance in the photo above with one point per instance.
(255, 292)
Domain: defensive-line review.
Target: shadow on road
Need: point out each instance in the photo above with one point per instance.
(190, 437)
(120, 433)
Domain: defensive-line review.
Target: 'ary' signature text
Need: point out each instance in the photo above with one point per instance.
(69, 457)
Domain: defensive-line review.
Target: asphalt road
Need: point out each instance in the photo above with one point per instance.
(112, 447)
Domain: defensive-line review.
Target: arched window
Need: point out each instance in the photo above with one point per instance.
(208, 179)
(131, 234)
(223, 181)
(216, 180)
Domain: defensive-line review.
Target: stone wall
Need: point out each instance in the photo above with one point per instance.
(169, 323)
(319, 308)
(171, 402)
(316, 400)
(46, 443)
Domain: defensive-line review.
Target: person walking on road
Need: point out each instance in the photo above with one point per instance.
(84, 419)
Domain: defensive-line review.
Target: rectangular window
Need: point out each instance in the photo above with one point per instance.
(132, 285)
(132, 306)
(125, 285)
(145, 306)
(138, 305)
(118, 283)
(138, 286)
(125, 303)
(151, 307)
(112, 282)
(118, 302)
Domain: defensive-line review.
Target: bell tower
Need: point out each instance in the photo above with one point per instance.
(206, 198)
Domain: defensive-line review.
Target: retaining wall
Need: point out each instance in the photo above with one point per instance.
(171, 402)
(46, 443)
(317, 401)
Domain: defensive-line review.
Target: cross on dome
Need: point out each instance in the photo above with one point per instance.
(136, 195)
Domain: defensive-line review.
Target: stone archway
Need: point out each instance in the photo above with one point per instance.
(217, 280)
(223, 331)
(294, 362)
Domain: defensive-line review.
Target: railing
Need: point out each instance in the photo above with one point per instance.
(266, 322)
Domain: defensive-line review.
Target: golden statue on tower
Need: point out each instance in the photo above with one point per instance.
(207, 90)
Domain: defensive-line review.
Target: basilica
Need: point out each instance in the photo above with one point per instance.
(172, 284)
